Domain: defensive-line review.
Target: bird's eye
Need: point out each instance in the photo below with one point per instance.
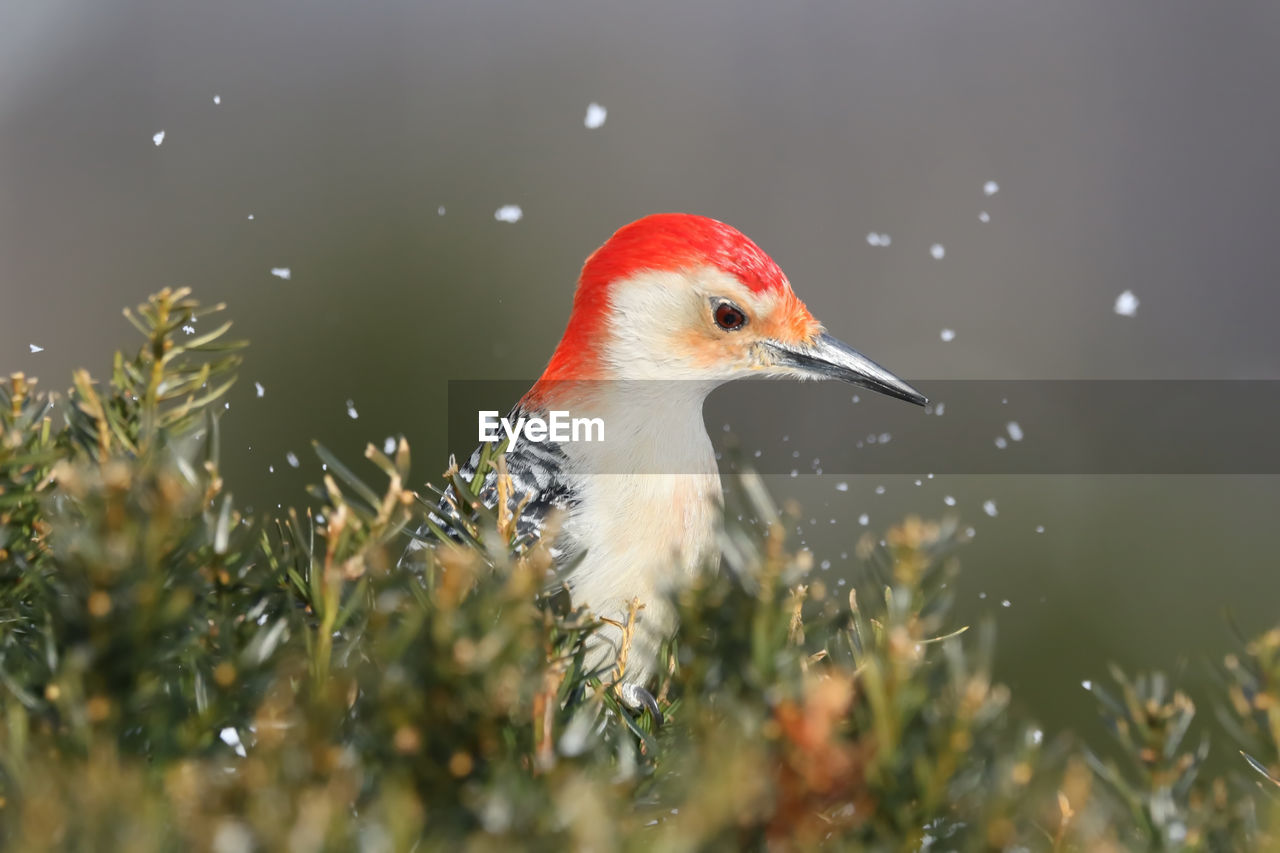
(729, 317)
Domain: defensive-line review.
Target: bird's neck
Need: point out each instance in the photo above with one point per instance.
(649, 427)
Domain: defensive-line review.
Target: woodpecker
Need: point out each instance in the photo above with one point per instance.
(670, 307)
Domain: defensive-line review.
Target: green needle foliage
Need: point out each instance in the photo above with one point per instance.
(174, 674)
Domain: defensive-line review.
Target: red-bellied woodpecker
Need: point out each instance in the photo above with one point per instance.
(670, 307)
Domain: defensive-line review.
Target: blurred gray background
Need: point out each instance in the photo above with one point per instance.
(1134, 146)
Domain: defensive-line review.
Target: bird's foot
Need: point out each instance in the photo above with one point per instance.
(636, 697)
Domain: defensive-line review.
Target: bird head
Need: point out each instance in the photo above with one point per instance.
(678, 296)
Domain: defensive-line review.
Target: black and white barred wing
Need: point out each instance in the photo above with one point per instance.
(538, 492)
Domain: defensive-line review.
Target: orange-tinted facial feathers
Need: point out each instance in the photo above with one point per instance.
(790, 322)
(778, 317)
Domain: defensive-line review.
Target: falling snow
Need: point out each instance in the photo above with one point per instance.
(938, 251)
(949, 501)
(36, 348)
(1127, 304)
(158, 138)
(879, 490)
(231, 738)
(189, 329)
(842, 487)
(257, 386)
(440, 210)
(292, 459)
(989, 507)
(990, 188)
(351, 410)
(864, 519)
(1006, 603)
(984, 217)
(217, 99)
(1001, 442)
(1087, 684)
(1015, 430)
(389, 445)
(508, 213)
(947, 335)
(596, 115)
(250, 217)
(874, 239)
(282, 273)
(1039, 528)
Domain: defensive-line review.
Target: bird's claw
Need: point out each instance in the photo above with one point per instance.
(635, 696)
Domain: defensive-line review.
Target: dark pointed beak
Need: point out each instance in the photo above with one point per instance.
(829, 358)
